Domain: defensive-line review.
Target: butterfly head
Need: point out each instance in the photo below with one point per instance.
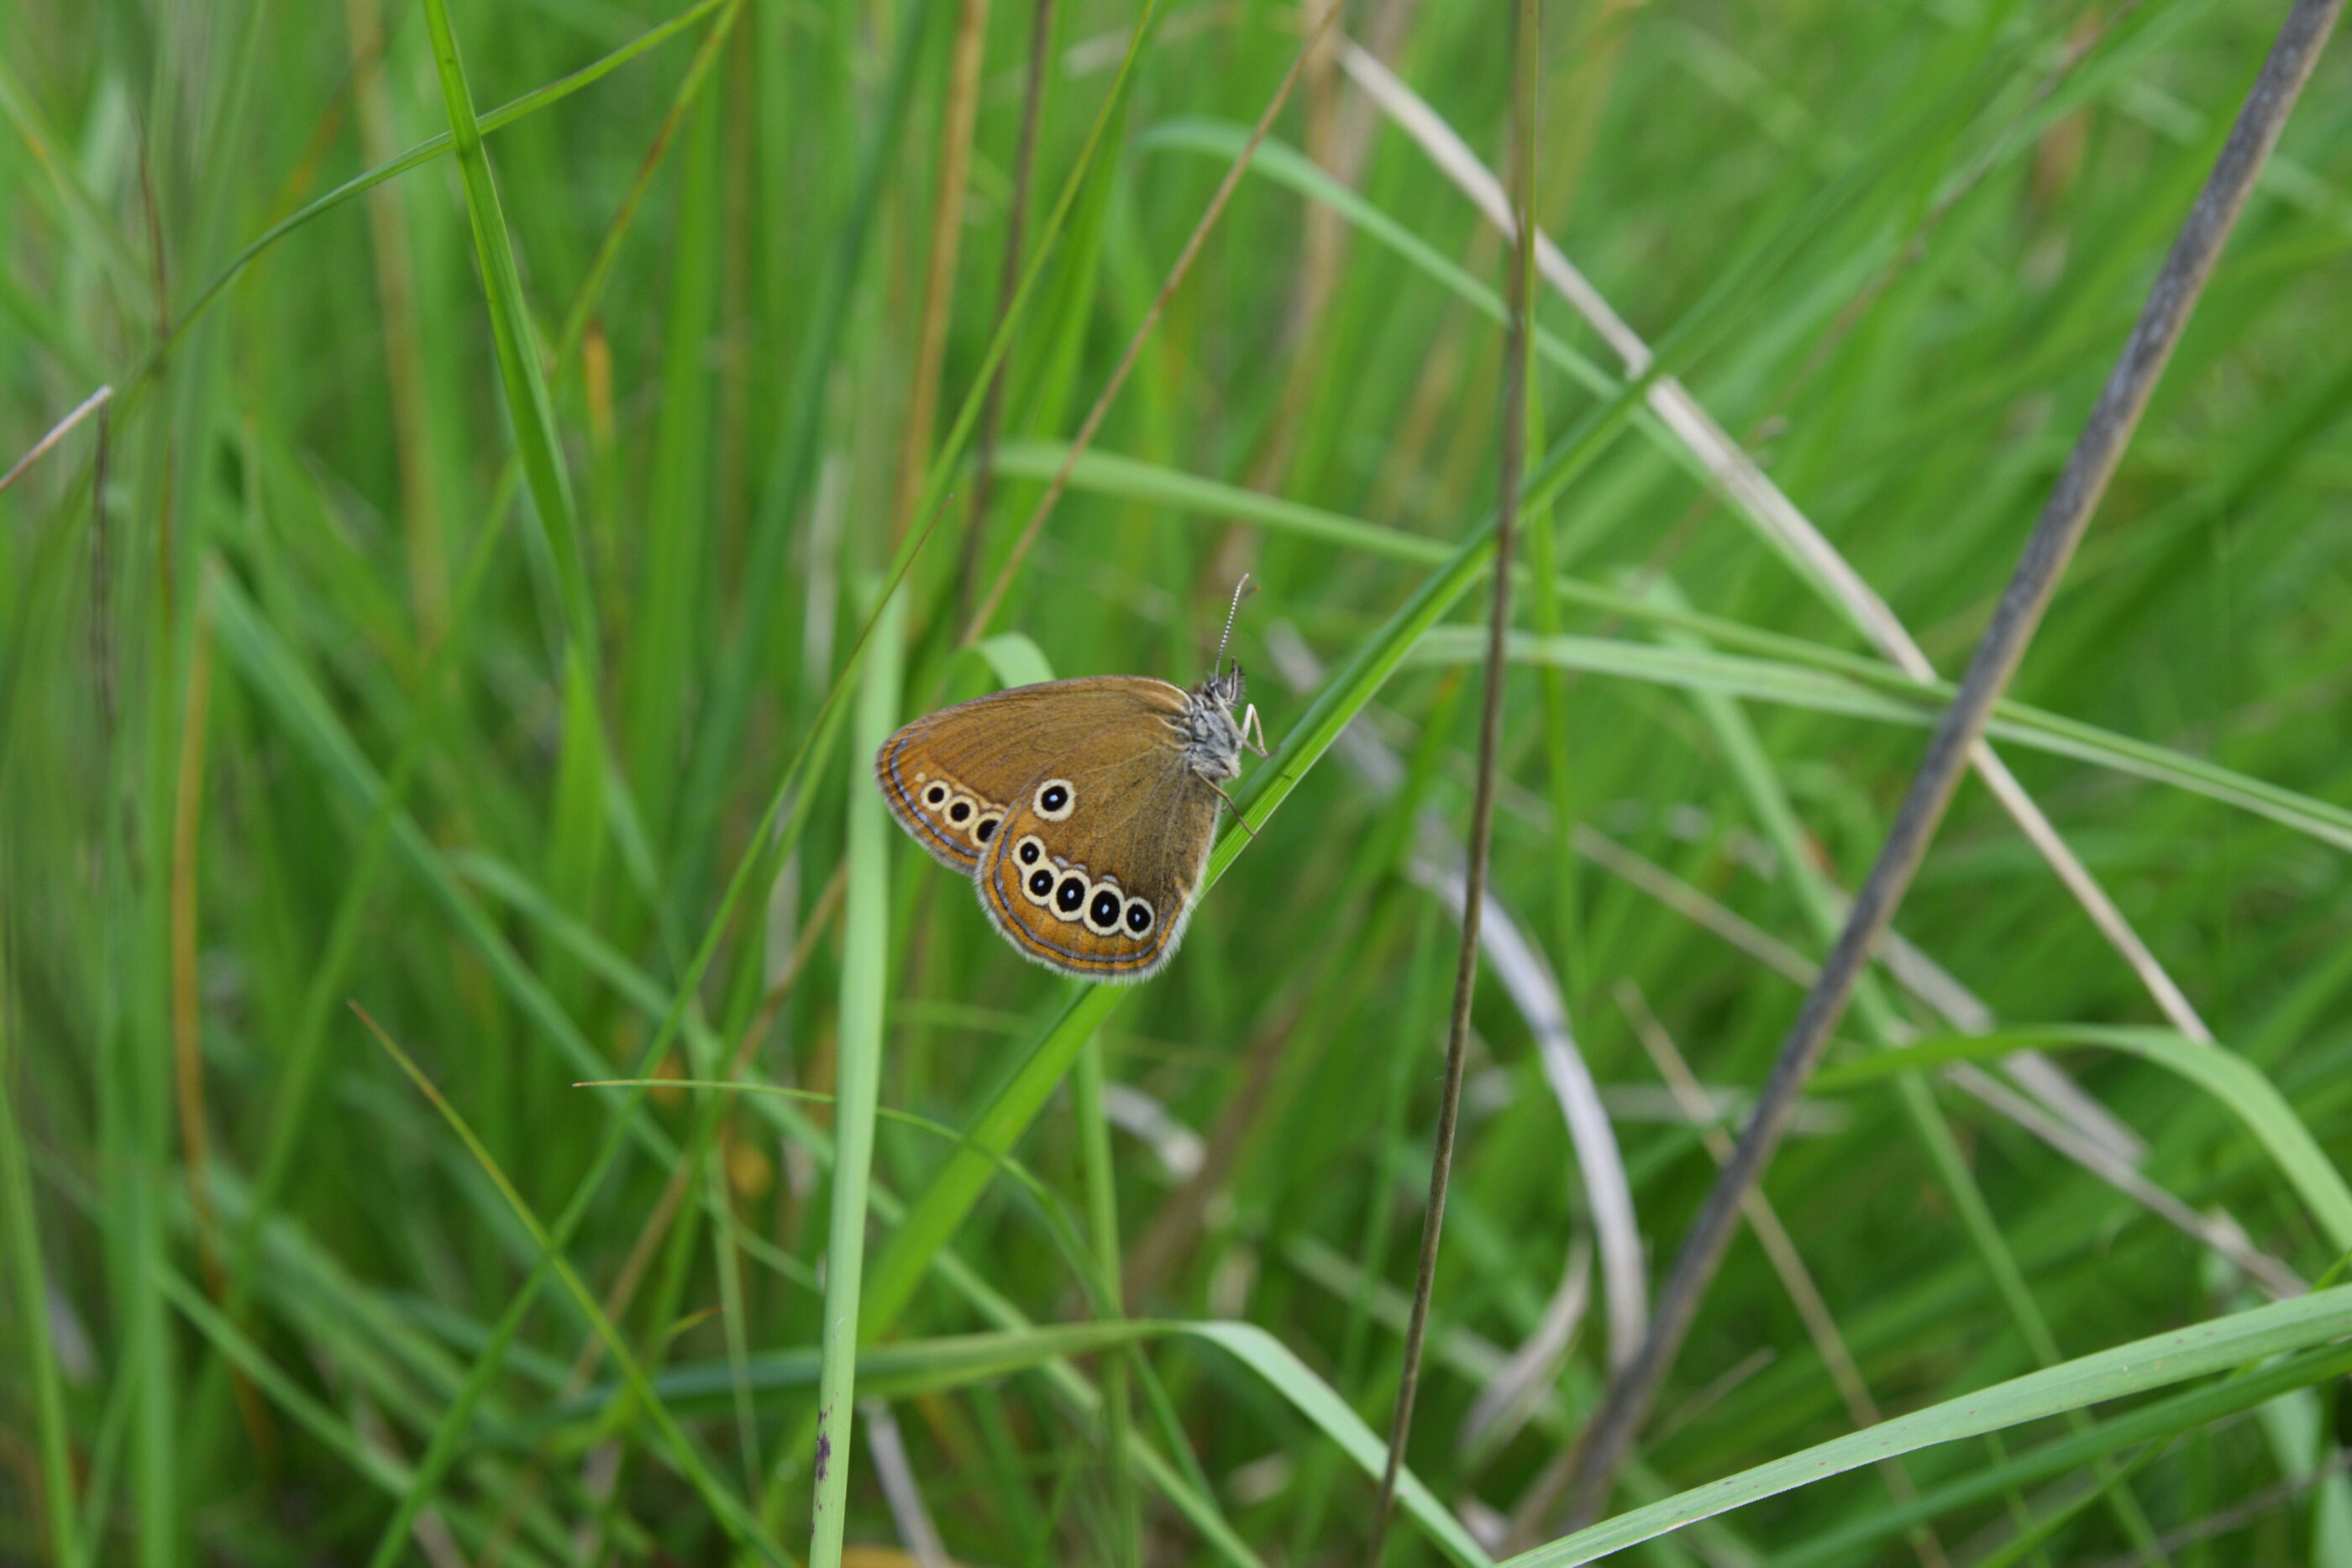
(1214, 735)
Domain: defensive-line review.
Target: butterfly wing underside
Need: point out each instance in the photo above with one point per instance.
(1102, 885)
(950, 776)
(1119, 845)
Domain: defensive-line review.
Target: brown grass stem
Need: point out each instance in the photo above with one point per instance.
(2080, 483)
(1008, 285)
(1518, 367)
(938, 282)
(404, 369)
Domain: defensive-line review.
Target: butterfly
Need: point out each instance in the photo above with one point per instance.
(1082, 810)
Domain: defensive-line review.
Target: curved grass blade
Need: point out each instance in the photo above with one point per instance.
(1888, 697)
(2152, 1423)
(937, 1365)
(2160, 1361)
(1286, 166)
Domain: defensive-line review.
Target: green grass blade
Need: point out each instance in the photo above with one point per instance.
(1101, 1179)
(2152, 1423)
(1108, 474)
(2217, 1345)
(529, 408)
(865, 980)
(1893, 699)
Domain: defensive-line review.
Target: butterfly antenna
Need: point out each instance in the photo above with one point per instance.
(1240, 589)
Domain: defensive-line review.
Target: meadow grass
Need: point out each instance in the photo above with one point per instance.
(482, 1082)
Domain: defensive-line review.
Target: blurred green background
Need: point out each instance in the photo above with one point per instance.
(475, 550)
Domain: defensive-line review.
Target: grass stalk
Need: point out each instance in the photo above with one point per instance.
(938, 280)
(865, 910)
(187, 1037)
(1518, 372)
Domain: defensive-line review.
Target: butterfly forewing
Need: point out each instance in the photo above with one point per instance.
(950, 776)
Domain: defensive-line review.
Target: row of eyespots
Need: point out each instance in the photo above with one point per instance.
(977, 820)
(1102, 905)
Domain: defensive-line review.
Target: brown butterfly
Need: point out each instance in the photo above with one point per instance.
(1083, 811)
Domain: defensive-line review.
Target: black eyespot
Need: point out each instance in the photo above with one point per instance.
(987, 828)
(935, 796)
(960, 811)
(1055, 800)
(1041, 882)
(1071, 895)
(1104, 911)
(1028, 852)
(1139, 916)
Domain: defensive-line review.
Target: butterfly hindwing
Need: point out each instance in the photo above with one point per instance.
(1095, 870)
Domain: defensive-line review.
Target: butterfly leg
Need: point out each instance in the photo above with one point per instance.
(1236, 810)
(1252, 727)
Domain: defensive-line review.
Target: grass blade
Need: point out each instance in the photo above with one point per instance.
(864, 982)
(2217, 1345)
(532, 414)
